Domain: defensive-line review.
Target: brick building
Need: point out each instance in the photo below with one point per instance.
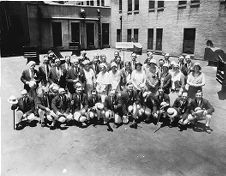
(175, 26)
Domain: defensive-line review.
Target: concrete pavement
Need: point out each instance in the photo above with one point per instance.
(124, 152)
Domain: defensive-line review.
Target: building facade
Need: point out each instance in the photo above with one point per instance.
(175, 27)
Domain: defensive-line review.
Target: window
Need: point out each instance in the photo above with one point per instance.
(223, 2)
(120, 6)
(87, 2)
(182, 2)
(105, 34)
(136, 5)
(160, 4)
(102, 2)
(129, 35)
(150, 38)
(135, 32)
(57, 34)
(189, 40)
(118, 35)
(129, 5)
(92, 3)
(151, 4)
(159, 39)
(98, 2)
(195, 3)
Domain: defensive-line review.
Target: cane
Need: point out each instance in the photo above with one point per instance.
(157, 124)
(14, 121)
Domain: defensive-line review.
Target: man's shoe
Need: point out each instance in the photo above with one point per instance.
(134, 125)
(19, 126)
(43, 124)
(208, 129)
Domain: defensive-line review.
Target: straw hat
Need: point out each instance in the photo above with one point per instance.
(171, 112)
(113, 64)
(12, 100)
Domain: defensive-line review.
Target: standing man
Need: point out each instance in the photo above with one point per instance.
(57, 75)
(31, 78)
(74, 75)
(44, 70)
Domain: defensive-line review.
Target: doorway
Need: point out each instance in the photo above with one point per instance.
(189, 41)
(57, 34)
(105, 34)
(90, 35)
(75, 32)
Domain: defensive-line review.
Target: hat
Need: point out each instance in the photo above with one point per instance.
(171, 112)
(30, 63)
(103, 65)
(113, 64)
(85, 62)
(197, 64)
(74, 60)
(112, 91)
(187, 57)
(54, 87)
(181, 57)
(153, 61)
(160, 89)
(146, 93)
(149, 53)
(57, 60)
(164, 104)
(99, 106)
(24, 91)
(166, 65)
(199, 111)
(134, 55)
(61, 90)
(167, 55)
(116, 52)
(12, 100)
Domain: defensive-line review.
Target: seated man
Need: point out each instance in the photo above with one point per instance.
(113, 109)
(61, 107)
(200, 109)
(43, 105)
(147, 105)
(79, 105)
(95, 107)
(182, 105)
(25, 108)
(129, 100)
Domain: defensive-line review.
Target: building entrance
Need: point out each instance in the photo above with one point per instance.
(57, 34)
(90, 35)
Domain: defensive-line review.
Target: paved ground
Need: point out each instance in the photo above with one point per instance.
(124, 152)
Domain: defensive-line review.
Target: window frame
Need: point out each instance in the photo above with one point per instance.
(162, 7)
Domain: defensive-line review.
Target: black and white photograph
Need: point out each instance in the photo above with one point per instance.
(113, 88)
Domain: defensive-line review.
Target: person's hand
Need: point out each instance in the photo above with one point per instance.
(155, 115)
(115, 106)
(205, 113)
(193, 113)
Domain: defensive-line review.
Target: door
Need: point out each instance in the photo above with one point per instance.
(105, 34)
(90, 35)
(75, 32)
(159, 39)
(189, 41)
(57, 34)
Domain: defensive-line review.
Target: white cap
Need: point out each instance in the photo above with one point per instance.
(187, 57)
(171, 112)
(61, 90)
(30, 63)
(167, 55)
(12, 100)
(153, 61)
(113, 64)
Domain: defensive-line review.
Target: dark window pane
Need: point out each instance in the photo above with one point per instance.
(189, 41)
(118, 35)
(136, 3)
(159, 39)
(105, 34)
(129, 5)
(129, 33)
(151, 4)
(150, 38)
(98, 2)
(102, 2)
(120, 5)
(75, 32)
(57, 33)
(136, 31)
(182, 2)
(195, 1)
(87, 2)
(160, 4)
(92, 3)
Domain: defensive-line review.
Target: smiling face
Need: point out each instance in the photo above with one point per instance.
(198, 95)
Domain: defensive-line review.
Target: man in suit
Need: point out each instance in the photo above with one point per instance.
(113, 109)
(200, 109)
(61, 107)
(24, 109)
(31, 78)
(57, 74)
(44, 71)
(75, 74)
(44, 107)
(67, 65)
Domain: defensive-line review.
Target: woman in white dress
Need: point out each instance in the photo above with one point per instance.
(138, 77)
(90, 77)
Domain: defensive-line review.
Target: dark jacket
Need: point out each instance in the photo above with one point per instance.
(26, 105)
(128, 98)
(205, 104)
(148, 101)
(182, 107)
(53, 78)
(159, 99)
(27, 77)
(166, 84)
(113, 103)
(73, 74)
(43, 70)
(92, 100)
(61, 104)
(43, 101)
(78, 100)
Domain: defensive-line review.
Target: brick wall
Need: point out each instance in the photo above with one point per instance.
(209, 19)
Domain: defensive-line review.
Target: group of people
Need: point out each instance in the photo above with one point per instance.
(81, 92)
